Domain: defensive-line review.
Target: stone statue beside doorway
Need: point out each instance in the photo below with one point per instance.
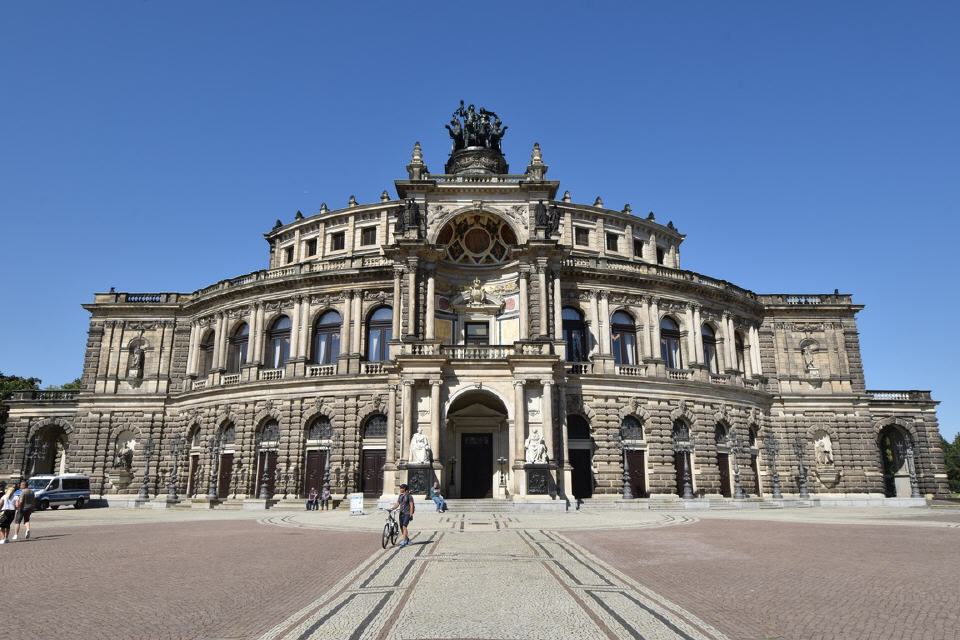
(536, 448)
(419, 448)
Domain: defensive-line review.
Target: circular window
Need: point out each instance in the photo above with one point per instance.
(477, 238)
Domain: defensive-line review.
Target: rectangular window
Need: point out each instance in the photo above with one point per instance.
(612, 239)
(638, 248)
(311, 246)
(477, 333)
(581, 236)
(288, 255)
(337, 241)
(368, 236)
(660, 255)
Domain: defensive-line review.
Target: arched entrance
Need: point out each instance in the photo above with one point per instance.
(374, 455)
(225, 468)
(477, 438)
(581, 456)
(47, 451)
(896, 452)
(722, 438)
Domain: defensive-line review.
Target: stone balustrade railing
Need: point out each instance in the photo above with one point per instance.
(804, 299)
(271, 374)
(198, 385)
(900, 396)
(680, 374)
(630, 370)
(372, 368)
(43, 395)
(230, 378)
(478, 352)
(579, 368)
(321, 370)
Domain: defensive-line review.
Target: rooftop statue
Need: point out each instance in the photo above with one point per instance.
(476, 135)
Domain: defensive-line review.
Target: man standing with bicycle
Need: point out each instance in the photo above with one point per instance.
(406, 506)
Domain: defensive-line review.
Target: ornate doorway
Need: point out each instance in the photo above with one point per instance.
(371, 482)
(476, 437)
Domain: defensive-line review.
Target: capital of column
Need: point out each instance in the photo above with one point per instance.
(398, 271)
(409, 383)
(519, 383)
(547, 383)
(436, 383)
(603, 294)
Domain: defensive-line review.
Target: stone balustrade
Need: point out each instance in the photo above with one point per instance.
(321, 370)
(478, 352)
(630, 370)
(230, 378)
(43, 395)
(900, 396)
(372, 368)
(680, 374)
(271, 374)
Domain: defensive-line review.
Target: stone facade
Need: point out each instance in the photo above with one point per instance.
(485, 312)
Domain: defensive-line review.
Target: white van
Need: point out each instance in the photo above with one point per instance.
(64, 488)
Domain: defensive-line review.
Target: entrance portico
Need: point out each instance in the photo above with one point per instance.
(477, 435)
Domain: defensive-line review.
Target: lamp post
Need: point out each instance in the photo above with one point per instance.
(503, 473)
(214, 460)
(453, 471)
(735, 445)
(683, 445)
(799, 448)
(773, 448)
(627, 488)
(174, 470)
(265, 480)
(147, 453)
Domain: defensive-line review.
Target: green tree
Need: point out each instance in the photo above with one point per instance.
(74, 385)
(952, 456)
(16, 383)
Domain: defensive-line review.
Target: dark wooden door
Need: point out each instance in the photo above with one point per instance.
(723, 462)
(223, 478)
(371, 482)
(313, 474)
(266, 460)
(635, 467)
(582, 473)
(755, 467)
(476, 470)
(679, 461)
(192, 479)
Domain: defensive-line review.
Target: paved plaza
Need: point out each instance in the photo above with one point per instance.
(799, 573)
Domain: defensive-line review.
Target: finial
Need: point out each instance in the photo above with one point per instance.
(417, 155)
(670, 225)
(277, 224)
(650, 216)
(598, 202)
(384, 197)
(323, 207)
(536, 157)
(417, 169)
(566, 196)
(352, 202)
(298, 215)
(627, 208)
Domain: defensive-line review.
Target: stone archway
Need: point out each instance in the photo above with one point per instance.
(896, 454)
(477, 437)
(47, 448)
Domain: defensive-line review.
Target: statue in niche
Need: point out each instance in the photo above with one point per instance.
(419, 448)
(536, 448)
(408, 217)
(807, 349)
(823, 449)
(123, 458)
(135, 362)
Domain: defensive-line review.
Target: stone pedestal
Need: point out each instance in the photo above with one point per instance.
(539, 479)
(419, 477)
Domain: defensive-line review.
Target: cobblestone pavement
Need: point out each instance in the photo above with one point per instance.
(763, 579)
(799, 573)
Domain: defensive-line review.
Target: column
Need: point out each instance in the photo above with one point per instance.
(258, 334)
(594, 323)
(295, 329)
(357, 321)
(547, 413)
(305, 327)
(406, 410)
(691, 344)
(192, 349)
(730, 342)
(431, 311)
(755, 351)
(519, 421)
(557, 307)
(345, 327)
(650, 249)
(605, 323)
(655, 327)
(564, 454)
(435, 418)
(218, 342)
(542, 288)
(391, 452)
(524, 305)
(747, 358)
(412, 298)
(697, 333)
(397, 305)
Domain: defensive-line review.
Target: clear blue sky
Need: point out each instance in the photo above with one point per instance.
(802, 148)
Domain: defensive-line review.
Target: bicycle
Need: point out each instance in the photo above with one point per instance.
(391, 529)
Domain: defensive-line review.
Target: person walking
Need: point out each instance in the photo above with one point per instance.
(437, 497)
(405, 504)
(25, 499)
(9, 507)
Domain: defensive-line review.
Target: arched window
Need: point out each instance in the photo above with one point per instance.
(670, 343)
(270, 434)
(623, 338)
(228, 435)
(738, 346)
(574, 334)
(379, 334)
(237, 348)
(710, 348)
(631, 429)
(720, 434)
(577, 428)
(278, 343)
(326, 338)
(207, 345)
(375, 427)
(320, 429)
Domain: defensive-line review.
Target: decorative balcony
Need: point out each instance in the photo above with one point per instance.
(271, 374)
(198, 385)
(372, 368)
(579, 368)
(630, 370)
(231, 378)
(477, 352)
(680, 374)
(321, 370)
(719, 378)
